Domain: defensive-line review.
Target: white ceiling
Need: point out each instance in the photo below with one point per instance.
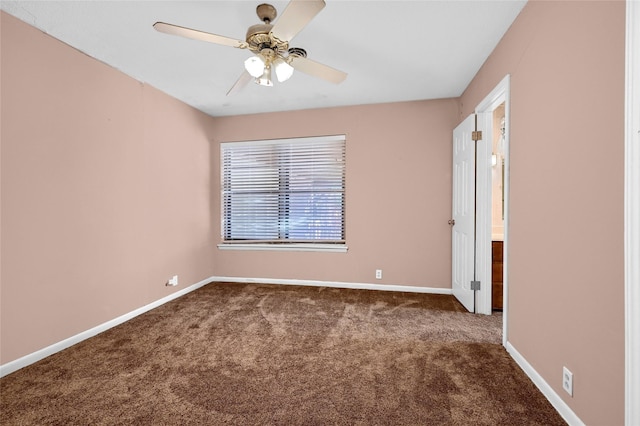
(392, 50)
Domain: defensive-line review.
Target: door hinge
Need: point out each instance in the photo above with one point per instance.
(476, 135)
(475, 285)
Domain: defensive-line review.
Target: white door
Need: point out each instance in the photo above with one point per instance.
(463, 228)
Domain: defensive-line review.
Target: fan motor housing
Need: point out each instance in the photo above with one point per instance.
(259, 37)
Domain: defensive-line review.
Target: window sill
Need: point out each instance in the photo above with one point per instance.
(332, 248)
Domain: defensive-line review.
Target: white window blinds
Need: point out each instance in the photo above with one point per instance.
(284, 191)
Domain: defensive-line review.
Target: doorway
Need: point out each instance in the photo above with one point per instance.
(494, 108)
(496, 103)
(497, 207)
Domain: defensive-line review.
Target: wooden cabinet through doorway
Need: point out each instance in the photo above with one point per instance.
(496, 274)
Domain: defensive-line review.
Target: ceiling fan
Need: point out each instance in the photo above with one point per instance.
(270, 44)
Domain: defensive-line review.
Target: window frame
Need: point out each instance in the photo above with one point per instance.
(282, 244)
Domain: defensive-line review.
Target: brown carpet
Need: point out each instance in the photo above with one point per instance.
(275, 355)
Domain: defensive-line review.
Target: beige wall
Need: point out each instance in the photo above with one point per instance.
(105, 192)
(566, 288)
(398, 194)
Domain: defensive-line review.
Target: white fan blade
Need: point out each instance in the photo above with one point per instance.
(317, 69)
(242, 81)
(198, 35)
(295, 17)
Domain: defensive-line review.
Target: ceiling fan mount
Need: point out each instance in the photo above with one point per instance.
(266, 12)
(270, 44)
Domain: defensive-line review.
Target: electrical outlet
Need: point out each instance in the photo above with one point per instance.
(173, 281)
(378, 274)
(567, 380)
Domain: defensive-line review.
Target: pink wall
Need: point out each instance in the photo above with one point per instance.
(109, 187)
(105, 192)
(398, 194)
(566, 288)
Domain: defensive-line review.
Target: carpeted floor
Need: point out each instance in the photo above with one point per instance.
(275, 355)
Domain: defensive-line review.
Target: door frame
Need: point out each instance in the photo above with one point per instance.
(632, 215)
(484, 112)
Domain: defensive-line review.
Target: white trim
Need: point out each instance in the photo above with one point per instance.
(632, 216)
(334, 248)
(31, 358)
(565, 411)
(500, 94)
(336, 284)
(507, 214)
(312, 139)
(34, 357)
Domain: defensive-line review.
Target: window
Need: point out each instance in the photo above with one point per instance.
(284, 192)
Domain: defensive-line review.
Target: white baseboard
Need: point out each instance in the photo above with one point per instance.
(336, 284)
(31, 358)
(26, 360)
(567, 413)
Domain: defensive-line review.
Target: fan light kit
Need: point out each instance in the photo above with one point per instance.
(260, 66)
(270, 45)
